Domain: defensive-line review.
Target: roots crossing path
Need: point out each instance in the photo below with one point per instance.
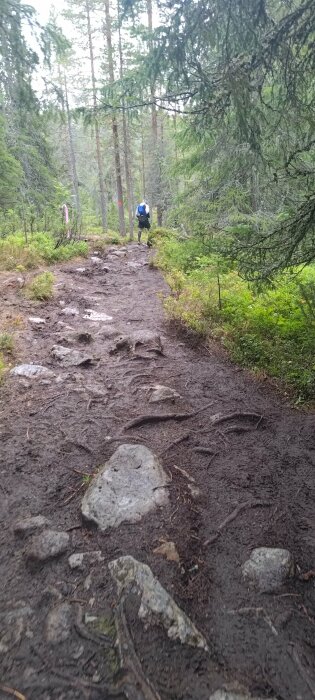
(240, 475)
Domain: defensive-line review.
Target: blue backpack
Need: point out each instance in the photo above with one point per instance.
(141, 210)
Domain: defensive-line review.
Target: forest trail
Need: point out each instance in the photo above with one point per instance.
(233, 486)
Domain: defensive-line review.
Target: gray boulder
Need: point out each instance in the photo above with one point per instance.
(268, 568)
(58, 623)
(31, 371)
(156, 605)
(27, 526)
(163, 393)
(127, 487)
(69, 357)
(48, 545)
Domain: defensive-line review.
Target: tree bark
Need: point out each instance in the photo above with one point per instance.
(71, 152)
(96, 122)
(154, 120)
(129, 183)
(120, 198)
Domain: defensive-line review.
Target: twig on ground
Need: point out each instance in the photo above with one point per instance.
(233, 515)
(258, 612)
(73, 495)
(183, 471)
(137, 686)
(12, 691)
(81, 445)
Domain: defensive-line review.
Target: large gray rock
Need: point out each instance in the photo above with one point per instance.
(31, 371)
(163, 393)
(156, 605)
(127, 487)
(69, 357)
(231, 695)
(48, 545)
(58, 623)
(268, 568)
(27, 526)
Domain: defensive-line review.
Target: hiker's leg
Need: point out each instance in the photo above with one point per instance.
(139, 234)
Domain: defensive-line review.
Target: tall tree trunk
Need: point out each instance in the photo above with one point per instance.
(96, 122)
(143, 161)
(120, 198)
(154, 119)
(129, 183)
(71, 152)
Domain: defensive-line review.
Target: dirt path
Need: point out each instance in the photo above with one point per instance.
(52, 431)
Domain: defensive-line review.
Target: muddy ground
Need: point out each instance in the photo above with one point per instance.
(54, 432)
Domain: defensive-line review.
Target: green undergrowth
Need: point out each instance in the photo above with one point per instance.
(2, 367)
(271, 331)
(41, 287)
(41, 248)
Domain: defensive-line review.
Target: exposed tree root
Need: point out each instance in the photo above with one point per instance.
(158, 417)
(174, 443)
(218, 418)
(259, 612)
(135, 684)
(292, 651)
(233, 515)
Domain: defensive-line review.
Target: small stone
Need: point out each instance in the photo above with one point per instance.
(28, 526)
(36, 320)
(95, 260)
(81, 270)
(92, 315)
(48, 545)
(58, 623)
(268, 568)
(156, 605)
(194, 492)
(69, 311)
(13, 626)
(127, 487)
(87, 582)
(107, 332)
(77, 560)
(77, 653)
(31, 371)
(163, 393)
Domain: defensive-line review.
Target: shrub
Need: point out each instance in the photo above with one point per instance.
(41, 248)
(41, 287)
(6, 343)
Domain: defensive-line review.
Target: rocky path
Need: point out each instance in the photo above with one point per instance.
(156, 504)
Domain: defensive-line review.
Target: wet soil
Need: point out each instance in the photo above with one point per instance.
(54, 433)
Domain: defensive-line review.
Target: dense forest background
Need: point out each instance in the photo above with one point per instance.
(204, 108)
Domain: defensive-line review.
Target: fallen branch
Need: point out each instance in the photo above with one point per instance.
(157, 417)
(233, 515)
(183, 471)
(12, 691)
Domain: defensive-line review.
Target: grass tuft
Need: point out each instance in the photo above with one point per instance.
(41, 287)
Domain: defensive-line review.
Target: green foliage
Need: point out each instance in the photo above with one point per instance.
(271, 331)
(2, 368)
(6, 343)
(41, 287)
(14, 251)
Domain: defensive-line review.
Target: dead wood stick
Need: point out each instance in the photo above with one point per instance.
(83, 631)
(218, 418)
(156, 418)
(137, 687)
(12, 691)
(233, 515)
(258, 612)
(183, 471)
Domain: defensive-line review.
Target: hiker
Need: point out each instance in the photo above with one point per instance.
(143, 216)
